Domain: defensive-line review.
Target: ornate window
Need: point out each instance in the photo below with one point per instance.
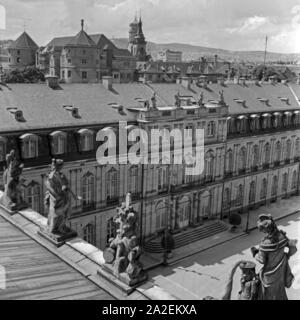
(294, 180)
(284, 183)
(266, 124)
(242, 159)
(231, 125)
(2, 148)
(242, 124)
(264, 188)
(30, 144)
(111, 181)
(267, 153)
(277, 151)
(240, 196)
(89, 234)
(252, 192)
(255, 156)
(32, 196)
(288, 149)
(297, 148)
(209, 165)
(161, 221)
(211, 129)
(274, 186)
(229, 161)
(59, 142)
(133, 185)
(111, 230)
(227, 199)
(88, 190)
(86, 140)
(163, 178)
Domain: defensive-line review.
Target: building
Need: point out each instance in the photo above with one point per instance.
(169, 56)
(21, 53)
(252, 148)
(86, 58)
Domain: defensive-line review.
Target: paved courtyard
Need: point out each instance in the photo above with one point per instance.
(205, 273)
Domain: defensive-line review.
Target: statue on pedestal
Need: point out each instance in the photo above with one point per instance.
(123, 252)
(154, 101)
(222, 100)
(12, 196)
(58, 199)
(201, 99)
(273, 253)
(177, 100)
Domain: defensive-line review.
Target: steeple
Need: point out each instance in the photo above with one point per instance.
(82, 24)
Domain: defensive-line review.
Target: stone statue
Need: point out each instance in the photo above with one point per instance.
(153, 100)
(123, 252)
(58, 199)
(177, 100)
(273, 253)
(201, 99)
(221, 93)
(249, 282)
(12, 196)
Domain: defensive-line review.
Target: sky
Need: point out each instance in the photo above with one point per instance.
(226, 24)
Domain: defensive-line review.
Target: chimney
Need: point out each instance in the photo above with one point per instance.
(272, 79)
(203, 79)
(52, 81)
(186, 82)
(237, 80)
(243, 81)
(107, 82)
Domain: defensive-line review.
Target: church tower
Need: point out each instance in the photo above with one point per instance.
(137, 42)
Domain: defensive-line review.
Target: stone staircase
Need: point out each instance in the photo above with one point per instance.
(186, 237)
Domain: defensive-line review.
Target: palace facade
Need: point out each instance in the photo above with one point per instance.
(252, 148)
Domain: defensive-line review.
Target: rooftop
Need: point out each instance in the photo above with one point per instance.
(43, 107)
(24, 42)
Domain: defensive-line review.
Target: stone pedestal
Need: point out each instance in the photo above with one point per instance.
(57, 239)
(12, 209)
(122, 280)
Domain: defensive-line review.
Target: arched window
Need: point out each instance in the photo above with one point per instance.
(89, 234)
(32, 196)
(267, 153)
(277, 152)
(161, 218)
(86, 140)
(205, 204)
(88, 190)
(284, 183)
(297, 148)
(29, 146)
(252, 192)
(211, 129)
(2, 149)
(111, 230)
(255, 156)
(184, 211)
(59, 142)
(288, 149)
(133, 185)
(294, 180)
(242, 159)
(231, 125)
(229, 161)
(274, 186)
(209, 165)
(240, 195)
(264, 188)
(111, 181)
(227, 199)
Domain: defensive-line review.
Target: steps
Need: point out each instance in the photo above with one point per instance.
(187, 237)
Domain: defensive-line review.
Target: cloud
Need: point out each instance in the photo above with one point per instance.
(226, 24)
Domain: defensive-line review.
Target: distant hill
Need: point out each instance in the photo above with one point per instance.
(191, 52)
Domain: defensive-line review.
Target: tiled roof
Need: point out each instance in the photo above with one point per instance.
(24, 42)
(43, 107)
(82, 39)
(232, 92)
(59, 42)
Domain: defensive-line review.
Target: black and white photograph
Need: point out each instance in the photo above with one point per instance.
(149, 153)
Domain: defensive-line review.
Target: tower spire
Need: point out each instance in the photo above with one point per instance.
(82, 24)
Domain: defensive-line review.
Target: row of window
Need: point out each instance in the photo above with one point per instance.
(59, 142)
(263, 190)
(254, 122)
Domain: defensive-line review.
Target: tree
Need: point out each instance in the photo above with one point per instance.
(28, 74)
